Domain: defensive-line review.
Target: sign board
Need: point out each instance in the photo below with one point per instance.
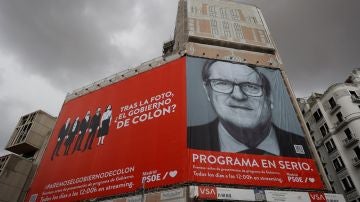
(243, 129)
(175, 124)
(136, 140)
(232, 194)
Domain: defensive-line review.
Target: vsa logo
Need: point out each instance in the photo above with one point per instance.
(207, 193)
(315, 196)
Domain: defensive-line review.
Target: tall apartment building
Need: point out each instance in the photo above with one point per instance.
(333, 119)
(27, 143)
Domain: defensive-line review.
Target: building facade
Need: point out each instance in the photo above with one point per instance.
(27, 144)
(333, 119)
(146, 155)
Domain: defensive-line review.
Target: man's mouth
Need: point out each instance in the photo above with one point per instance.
(241, 107)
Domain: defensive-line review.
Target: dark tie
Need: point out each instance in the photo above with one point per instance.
(254, 151)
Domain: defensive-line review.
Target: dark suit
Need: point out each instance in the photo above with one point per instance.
(62, 133)
(83, 128)
(206, 137)
(71, 136)
(94, 124)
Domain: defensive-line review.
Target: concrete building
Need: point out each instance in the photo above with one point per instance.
(27, 144)
(333, 119)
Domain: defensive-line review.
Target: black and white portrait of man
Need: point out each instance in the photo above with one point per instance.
(241, 98)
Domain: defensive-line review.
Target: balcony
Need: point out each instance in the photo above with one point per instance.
(318, 143)
(30, 132)
(349, 190)
(339, 169)
(334, 108)
(356, 161)
(340, 124)
(331, 150)
(350, 141)
(355, 99)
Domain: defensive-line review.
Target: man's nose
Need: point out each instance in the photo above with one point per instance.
(238, 94)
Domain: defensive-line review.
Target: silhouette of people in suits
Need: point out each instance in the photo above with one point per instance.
(84, 125)
(93, 129)
(61, 136)
(71, 135)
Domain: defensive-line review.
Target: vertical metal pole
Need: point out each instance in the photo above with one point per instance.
(143, 192)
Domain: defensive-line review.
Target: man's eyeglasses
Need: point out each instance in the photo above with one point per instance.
(227, 87)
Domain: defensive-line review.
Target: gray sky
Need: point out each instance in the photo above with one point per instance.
(51, 47)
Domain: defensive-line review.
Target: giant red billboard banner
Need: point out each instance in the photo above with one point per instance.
(172, 125)
(122, 138)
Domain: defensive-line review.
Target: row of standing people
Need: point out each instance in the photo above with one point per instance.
(98, 123)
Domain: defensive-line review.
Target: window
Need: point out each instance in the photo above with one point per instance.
(338, 164)
(324, 129)
(21, 133)
(238, 31)
(263, 37)
(317, 115)
(223, 13)
(330, 146)
(357, 151)
(212, 11)
(214, 28)
(226, 27)
(340, 117)
(194, 10)
(234, 14)
(252, 20)
(332, 103)
(353, 94)
(348, 134)
(347, 184)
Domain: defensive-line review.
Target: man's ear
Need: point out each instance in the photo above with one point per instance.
(206, 89)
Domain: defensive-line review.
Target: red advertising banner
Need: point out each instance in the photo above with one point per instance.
(253, 170)
(124, 137)
(190, 120)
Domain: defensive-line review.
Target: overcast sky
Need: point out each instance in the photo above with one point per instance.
(51, 47)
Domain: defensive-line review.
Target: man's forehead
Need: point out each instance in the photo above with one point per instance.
(230, 71)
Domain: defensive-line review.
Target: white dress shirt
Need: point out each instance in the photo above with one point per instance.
(229, 144)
